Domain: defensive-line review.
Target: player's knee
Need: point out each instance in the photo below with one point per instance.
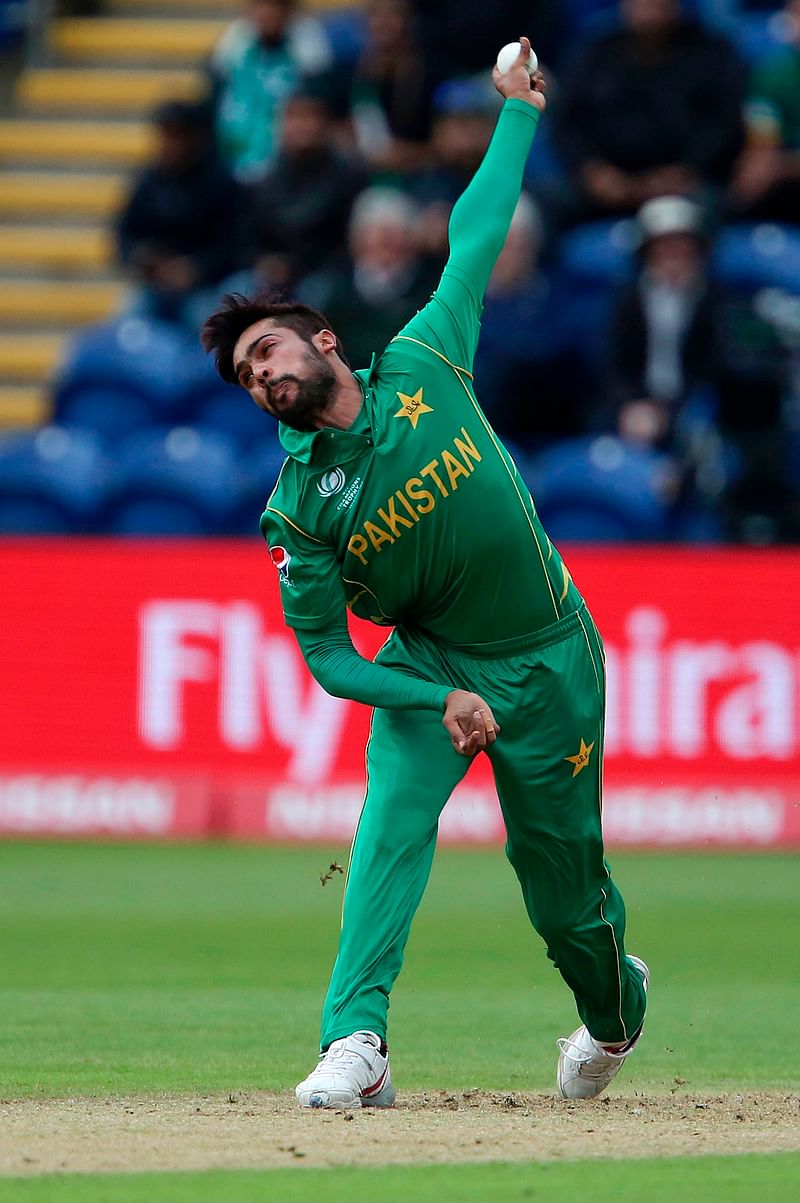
(560, 929)
(402, 843)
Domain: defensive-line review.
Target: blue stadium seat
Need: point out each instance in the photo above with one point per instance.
(111, 413)
(144, 516)
(600, 489)
(231, 412)
(544, 163)
(794, 458)
(756, 35)
(51, 480)
(259, 472)
(141, 358)
(346, 29)
(593, 259)
(587, 19)
(199, 376)
(597, 253)
(761, 255)
(15, 20)
(174, 481)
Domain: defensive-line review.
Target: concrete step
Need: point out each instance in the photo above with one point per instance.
(66, 302)
(61, 194)
(24, 405)
(118, 143)
(62, 90)
(66, 249)
(30, 355)
(123, 39)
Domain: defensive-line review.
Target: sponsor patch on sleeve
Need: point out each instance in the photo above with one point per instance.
(281, 559)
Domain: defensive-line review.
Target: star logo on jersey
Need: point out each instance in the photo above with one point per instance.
(581, 759)
(412, 407)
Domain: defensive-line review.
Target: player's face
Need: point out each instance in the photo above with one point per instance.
(285, 375)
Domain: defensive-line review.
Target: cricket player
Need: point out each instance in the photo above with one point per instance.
(398, 502)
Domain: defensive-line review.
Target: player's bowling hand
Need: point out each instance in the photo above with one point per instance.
(469, 722)
(518, 83)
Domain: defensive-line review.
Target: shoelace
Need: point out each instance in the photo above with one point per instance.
(583, 1059)
(349, 1057)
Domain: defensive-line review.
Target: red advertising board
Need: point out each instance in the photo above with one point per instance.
(150, 689)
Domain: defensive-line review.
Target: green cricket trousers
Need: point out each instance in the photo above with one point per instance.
(547, 693)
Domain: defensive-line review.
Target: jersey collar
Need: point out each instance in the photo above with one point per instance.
(326, 445)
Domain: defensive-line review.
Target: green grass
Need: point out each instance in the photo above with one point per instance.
(143, 969)
(747, 1179)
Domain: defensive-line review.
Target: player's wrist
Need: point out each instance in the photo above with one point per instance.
(525, 104)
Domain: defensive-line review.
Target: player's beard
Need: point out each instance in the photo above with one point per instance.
(313, 394)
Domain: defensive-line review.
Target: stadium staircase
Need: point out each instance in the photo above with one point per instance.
(78, 128)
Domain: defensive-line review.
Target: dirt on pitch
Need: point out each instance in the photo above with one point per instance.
(262, 1131)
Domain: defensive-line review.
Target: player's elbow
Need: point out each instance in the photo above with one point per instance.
(324, 675)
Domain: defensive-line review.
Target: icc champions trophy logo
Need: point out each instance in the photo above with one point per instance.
(331, 482)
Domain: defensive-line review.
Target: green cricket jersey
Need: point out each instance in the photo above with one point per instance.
(416, 516)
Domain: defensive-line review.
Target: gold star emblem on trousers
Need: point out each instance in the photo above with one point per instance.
(412, 407)
(581, 759)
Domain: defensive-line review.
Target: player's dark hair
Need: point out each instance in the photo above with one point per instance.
(223, 329)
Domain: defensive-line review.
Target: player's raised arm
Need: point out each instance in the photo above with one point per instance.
(479, 223)
(481, 216)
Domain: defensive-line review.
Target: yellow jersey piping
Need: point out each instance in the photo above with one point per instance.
(299, 529)
(408, 339)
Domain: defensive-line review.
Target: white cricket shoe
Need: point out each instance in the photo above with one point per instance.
(351, 1073)
(586, 1068)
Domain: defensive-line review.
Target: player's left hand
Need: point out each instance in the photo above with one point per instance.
(469, 722)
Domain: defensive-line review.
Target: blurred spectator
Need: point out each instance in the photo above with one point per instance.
(696, 372)
(767, 182)
(528, 370)
(385, 96)
(77, 8)
(463, 37)
(663, 342)
(177, 232)
(652, 107)
(465, 112)
(256, 65)
(386, 283)
(299, 211)
(761, 502)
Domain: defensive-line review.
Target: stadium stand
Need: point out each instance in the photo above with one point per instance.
(762, 255)
(599, 490)
(222, 409)
(136, 404)
(130, 357)
(78, 125)
(178, 481)
(52, 481)
(258, 472)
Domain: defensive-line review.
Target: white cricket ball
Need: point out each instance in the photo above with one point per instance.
(509, 55)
